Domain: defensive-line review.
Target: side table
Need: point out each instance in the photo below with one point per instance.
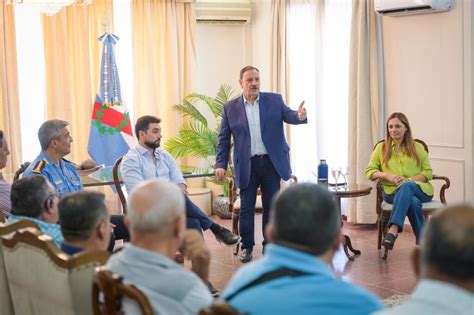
(349, 191)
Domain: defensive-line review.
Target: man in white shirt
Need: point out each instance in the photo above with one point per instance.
(445, 265)
(148, 160)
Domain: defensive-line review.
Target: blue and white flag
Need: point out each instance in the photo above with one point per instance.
(110, 132)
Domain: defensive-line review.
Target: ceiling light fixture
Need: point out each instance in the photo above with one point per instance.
(48, 7)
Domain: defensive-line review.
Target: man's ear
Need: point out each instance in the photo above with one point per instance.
(141, 134)
(337, 241)
(101, 230)
(53, 143)
(126, 222)
(49, 205)
(415, 260)
(269, 232)
(179, 226)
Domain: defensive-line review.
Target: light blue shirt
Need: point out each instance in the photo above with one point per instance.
(137, 165)
(170, 288)
(63, 177)
(253, 117)
(319, 292)
(435, 297)
(51, 229)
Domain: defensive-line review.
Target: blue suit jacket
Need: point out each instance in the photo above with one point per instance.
(273, 112)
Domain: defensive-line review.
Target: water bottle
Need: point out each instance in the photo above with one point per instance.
(323, 173)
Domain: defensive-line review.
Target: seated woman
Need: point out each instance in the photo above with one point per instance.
(5, 188)
(404, 168)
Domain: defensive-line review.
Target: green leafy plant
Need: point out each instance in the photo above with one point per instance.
(196, 138)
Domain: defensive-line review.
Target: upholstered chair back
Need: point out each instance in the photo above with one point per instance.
(44, 280)
(6, 303)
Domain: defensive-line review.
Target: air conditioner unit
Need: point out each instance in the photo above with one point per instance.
(223, 11)
(407, 7)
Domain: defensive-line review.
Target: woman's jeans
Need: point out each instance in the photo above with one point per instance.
(407, 201)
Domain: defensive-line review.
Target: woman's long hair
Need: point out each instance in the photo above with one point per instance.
(407, 144)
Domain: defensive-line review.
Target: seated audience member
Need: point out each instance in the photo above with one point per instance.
(157, 222)
(84, 220)
(5, 188)
(34, 198)
(147, 160)
(404, 168)
(445, 265)
(55, 140)
(294, 277)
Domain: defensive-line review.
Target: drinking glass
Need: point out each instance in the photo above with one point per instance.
(336, 172)
(345, 174)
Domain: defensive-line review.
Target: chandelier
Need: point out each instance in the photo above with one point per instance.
(48, 7)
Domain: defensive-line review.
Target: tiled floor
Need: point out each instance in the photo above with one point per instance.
(383, 277)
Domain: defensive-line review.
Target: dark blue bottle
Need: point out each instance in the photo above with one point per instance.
(323, 173)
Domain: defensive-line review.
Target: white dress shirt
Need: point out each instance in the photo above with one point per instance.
(138, 165)
(253, 117)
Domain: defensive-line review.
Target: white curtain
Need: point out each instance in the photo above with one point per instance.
(318, 35)
(31, 78)
(364, 104)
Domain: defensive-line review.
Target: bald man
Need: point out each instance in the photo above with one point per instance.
(157, 223)
(445, 265)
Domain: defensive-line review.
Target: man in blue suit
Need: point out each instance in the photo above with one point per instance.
(261, 154)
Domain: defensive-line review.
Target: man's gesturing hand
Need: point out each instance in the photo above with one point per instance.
(301, 111)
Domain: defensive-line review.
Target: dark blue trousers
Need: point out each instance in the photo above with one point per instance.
(120, 231)
(195, 218)
(407, 202)
(263, 175)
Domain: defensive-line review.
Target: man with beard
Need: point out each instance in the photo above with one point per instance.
(147, 160)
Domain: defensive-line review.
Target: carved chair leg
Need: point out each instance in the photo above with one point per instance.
(379, 234)
(235, 228)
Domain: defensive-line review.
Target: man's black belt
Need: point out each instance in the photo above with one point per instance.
(260, 155)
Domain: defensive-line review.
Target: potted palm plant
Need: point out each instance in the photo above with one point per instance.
(197, 137)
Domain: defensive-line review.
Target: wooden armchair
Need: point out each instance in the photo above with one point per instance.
(4, 214)
(234, 203)
(20, 171)
(118, 184)
(113, 290)
(384, 209)
(43, 279)
(6, 303)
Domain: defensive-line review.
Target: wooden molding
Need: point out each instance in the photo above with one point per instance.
(47, 245)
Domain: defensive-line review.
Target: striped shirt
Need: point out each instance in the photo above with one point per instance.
(5, 189)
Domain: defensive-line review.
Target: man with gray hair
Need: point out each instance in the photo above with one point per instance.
(34, 198)
(85, 222)
(157, 223)
(55, 140)
(294, 277)
(445, 265)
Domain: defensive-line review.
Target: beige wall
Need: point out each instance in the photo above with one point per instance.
(222, 50)
(429, 76)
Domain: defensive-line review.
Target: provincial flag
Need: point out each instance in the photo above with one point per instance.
(110, 131)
